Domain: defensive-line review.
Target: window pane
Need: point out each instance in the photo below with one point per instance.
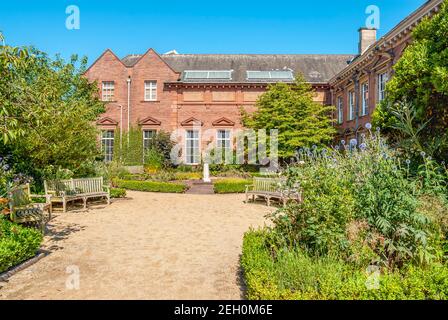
(108, 89)
(150, 90)
(107, 143)
(192, 147)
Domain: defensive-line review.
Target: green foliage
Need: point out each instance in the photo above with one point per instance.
(111, 170)
(154, 159)
(232, 185)
(151, 186)
(117, 193)
(128, 147)
(360, 205)
(421, 80)
(17, 244)
(161, 143)
(301, 122)
(48, 109)
(295, 275)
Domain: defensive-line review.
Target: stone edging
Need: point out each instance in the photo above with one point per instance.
(27, 263)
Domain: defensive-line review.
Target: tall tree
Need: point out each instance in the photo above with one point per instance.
(420, 83)
(47, 111)
(300, 121)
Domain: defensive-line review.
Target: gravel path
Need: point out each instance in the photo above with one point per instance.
(151, 246)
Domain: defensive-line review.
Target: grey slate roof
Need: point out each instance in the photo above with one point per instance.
(315, 68)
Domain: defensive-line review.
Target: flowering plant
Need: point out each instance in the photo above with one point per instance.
(9, 179)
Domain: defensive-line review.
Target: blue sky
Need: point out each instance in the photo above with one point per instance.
(230, 26)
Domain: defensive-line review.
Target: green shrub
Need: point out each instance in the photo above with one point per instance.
(117, 193)
(17, 244)
(293, 274)
(232, 185)
(361, 205)
(154, 159)
(151, 186)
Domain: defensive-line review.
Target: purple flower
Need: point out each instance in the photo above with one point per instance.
(363, 146)
(368, 126)
(408, 162)
(343, 142)
(353, 142)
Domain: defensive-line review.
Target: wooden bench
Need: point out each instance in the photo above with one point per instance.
(23, 210)
(64, 191)
(272, 188)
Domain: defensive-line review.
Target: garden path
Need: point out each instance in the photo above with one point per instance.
(151, 246)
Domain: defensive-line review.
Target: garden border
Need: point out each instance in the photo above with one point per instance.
(4, 276)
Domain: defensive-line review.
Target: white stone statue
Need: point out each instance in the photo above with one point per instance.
(206, 173)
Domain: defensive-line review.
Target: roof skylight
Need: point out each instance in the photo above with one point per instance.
(274, 74)
(208, 75)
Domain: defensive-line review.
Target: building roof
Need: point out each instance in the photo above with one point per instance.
(315, 68)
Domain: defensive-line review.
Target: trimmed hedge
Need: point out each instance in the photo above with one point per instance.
(231, 185)
(293, 275)
(117, 193)
(17, 244)
(151, 186)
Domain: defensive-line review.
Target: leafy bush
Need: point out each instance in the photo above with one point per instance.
(17, 244)
(161, 142)
(117, 193)
(293, 274)
(154, 160)
(151, 186)
(231, 185)
(36, 90)
(359, 204)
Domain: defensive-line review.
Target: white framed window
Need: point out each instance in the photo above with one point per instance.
(365, 99)
(351, 105)
(150, 90)
(107, 144)
(108, 91)
(224, 145)
(382, 81)
(192, 147)
(340, 110)
(148, 135)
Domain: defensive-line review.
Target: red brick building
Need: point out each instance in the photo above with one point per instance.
(360, 86)
(178, 91)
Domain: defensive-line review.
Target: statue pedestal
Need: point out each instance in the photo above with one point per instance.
(206, 173)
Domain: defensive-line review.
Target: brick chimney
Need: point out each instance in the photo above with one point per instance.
(367, 37)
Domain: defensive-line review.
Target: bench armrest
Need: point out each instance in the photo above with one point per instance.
(46, 196)
(106, 188)
(249, 186)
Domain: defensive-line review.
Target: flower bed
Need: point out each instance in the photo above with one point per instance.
(294, 275)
